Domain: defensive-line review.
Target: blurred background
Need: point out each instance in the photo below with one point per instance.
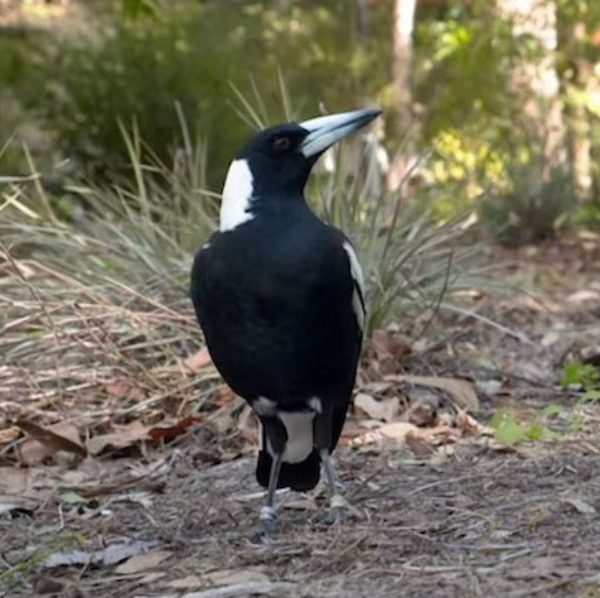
(497, 99)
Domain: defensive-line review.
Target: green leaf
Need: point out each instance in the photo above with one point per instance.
(575, 372)
(553, 409)
(590, 396)
(507, 429)
(69, 497)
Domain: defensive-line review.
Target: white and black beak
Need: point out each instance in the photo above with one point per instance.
(325, 131)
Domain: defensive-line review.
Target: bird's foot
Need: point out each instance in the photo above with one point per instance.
(338, 511)
(268, 521)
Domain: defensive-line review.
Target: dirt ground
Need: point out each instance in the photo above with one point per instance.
(479, 520)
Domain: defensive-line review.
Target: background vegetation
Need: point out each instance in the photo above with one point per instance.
(70, 72)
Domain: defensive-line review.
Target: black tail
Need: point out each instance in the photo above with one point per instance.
(297, 476)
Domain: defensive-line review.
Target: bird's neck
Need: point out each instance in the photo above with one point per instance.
(242, 200)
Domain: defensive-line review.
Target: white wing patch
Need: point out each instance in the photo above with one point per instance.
(358, 302)
(237, 196)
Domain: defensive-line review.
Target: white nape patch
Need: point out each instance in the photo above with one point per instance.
(237, 196)
(359, 291)
(264, 406)
(314, 404)
(299, 428)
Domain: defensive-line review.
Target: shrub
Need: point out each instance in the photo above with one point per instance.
(530, 207)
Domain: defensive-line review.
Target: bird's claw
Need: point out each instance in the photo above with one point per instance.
(268, 520)
(338, 512)
(268, 527)
(336, 515)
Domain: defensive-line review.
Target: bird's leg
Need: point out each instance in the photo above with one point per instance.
(268, 514)
(338, 504)
(322, 439)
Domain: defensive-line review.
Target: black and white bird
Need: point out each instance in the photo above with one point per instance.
(279, 296)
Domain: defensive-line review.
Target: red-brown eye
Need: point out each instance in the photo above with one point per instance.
(281, 144)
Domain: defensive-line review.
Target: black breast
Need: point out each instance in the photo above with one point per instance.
(274, 299)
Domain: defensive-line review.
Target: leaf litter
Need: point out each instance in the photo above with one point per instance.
(130, 433)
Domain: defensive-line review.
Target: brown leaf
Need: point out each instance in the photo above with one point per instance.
(419, 446)
(234, 576)
(125, 436)
(185, 583)
(461, 391)
(422, 410)
(29, 486)
(142, 562)
(125, 389)
(540, 567)
(470, 426)
(393, 434)
(385, 409)
(386, 343)
(224, 397)
(14, 481)
(223, 421)
(169, 433)
(580, 506)
(9, 434)
(199, 360)
(111, 555)
(48, 441)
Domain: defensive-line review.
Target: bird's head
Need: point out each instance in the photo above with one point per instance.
(276, 162)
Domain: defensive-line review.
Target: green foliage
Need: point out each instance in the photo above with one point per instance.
(588, 214)
(465, 43)
(509, 431)
(137, 70)
(577, 373)
(529, 207)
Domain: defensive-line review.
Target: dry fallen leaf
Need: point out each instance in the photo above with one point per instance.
(470, 426)
(142, 562)
(9, 434)
(419, 446)
(461, 391)
(580, 506)
(393, 434)
(14, 481)
(253, 588)
(123, 437)
(48, 441)
(385, 409)
(228, 577)
(540, 567)
(422, 411)
(199, 360)
(169, 433)
(185, 583)
(125, 389)
(111, 555)
(387, 343)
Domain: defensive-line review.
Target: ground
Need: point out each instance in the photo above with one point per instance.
(452, 513)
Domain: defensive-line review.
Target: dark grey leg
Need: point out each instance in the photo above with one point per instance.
(338, 504)
(268, 514)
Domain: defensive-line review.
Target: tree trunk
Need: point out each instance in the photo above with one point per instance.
(536, 80)
(406, 126)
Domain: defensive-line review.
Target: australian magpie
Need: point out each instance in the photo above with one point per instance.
(279, 296)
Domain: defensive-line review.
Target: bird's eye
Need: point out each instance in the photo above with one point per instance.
(282, 144)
